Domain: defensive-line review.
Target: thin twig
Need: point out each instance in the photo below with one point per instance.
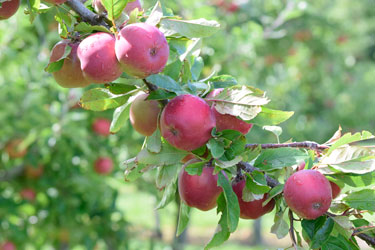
(291, 229)
(250, 168)
(153, 87)
(367, 238)
(86, 14)
(305, 144)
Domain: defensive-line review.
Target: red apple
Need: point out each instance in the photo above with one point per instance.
(28, 194)
(101, 126)
(141, 49)
(251, 209)
(70, 75)
(301, 166)
(103, 165)
(55, 1)
(13, 148)
(308, 193)
(34, 172)
(199, 191)
(226, 121)
(8, 245)
(335, 189)
(186, 122)
(98, 60)
(144, 115)
(8, 8)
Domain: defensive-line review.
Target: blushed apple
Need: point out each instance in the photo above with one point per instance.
(34, 172)
(8, 8)
(186, 122)
(28, 194)
(144, 115)
(8, 245)
(98, 60)
(70, 75)
(103, 165)
(336, 190)
(14, 150)
(101, 126)
(141, 49)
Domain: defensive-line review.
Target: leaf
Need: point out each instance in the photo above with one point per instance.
(216, 147)
(118, 89)
(276, 130)
(195, 168)
(343, 225)
(57, 65)
(173, 70)
(322, 229)
(271, 117)
(357, 180)
(33, 9)
(240, 101)
(153, 142)
(166, 175)
(156, 14)
(193, 49)
(273, 193)
(114, 7)
(191, 29)
(87, 28)
(160, 94)
(222, 81)
(280, 227)
(167, 156)
(279, 158)
(339, 243)
(183, 218)
(347, 138)
(100, 99)
(168, 195)
(120, 117)
(256, 188)
(132, 170)
(335, 137)
(233, 208)
(165, 82)
(361, 200)
(197, 67)
(248, 196)
(227, 164)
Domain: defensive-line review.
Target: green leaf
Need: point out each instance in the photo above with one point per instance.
(279, 158)
(153, 142)
(222, 81)
(118, 89)
(354, 180)
(251, 153)
(165, 82)
(271, 117)
(156, 14)
(167, 156)
(237, 147)
(195, 168)
(114, 7)
(343, 225)
(280, 227)
(248, 196)
(345, 139)
(168, 195)
(160, 94)
(183, 218)
(233, 208)
(276, 130)
(100, 99)
(240, 101)
(191, 28)
(87, 28)
(120, 116)
(226, 164)
(339, 243)
(166, 175)
(273, 193)
(173, 69)
(216, 147)
(33, 9)
(254, 187)
(321, 230)
(197, 68)
(57, 65)
(133, 170)
(361, 200)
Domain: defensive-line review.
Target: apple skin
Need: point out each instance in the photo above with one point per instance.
(186, 122)
(226, 121)
(336, 190)
(142, 50)
(144, 115)
(28, 194)
(34, 172)
(70, 75)
(199, 191)
(251, 209)
(11, 149)
(103, 165)
(101, 126)
(301, 166)
(56, 2)
(308, 194)
(8, 245)
(9, 8)
(98, 60)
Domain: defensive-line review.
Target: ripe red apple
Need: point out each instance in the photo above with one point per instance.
(226, 121)
(199, 191)
(141, 49)
(308, 193)
(103, 165)
(56, 1)
(186, 122)
(98, 60)
(8, 245)
(34, 172)
(13, 148)
(252, 209)
(70, 75)
(144, 115)
(28, 194)
(335, 189)
(8, 8)
(101, 126)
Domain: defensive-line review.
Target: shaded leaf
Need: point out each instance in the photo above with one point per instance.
(183, 218)
(279, 158)
(156, 14)
(100, 99)
(120, 117)
(168, 195)
(153, 142)
(191, 28)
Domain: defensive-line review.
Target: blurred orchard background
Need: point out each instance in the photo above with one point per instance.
(312, 57)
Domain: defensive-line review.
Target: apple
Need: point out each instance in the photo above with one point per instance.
(28, 194)
(34, 172)
(98, 60)
(308, 193)
(199, 191)
(302, 35)
(144, 115)
(130, 6)
(226, 121)
(13, 148)
(301, 166)
(101, 126)
(141, 49)
(8, 8)
(70, 75)
(186, 122)
(55, 1)
(251, 209)
(335, 189)
(103, 165)
(8, 245)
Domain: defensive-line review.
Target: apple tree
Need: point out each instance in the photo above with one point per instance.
(150, 66)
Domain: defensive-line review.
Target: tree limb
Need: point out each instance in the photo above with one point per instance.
(306, 144)
(250, 168)
(86, 14)
(367, 238)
